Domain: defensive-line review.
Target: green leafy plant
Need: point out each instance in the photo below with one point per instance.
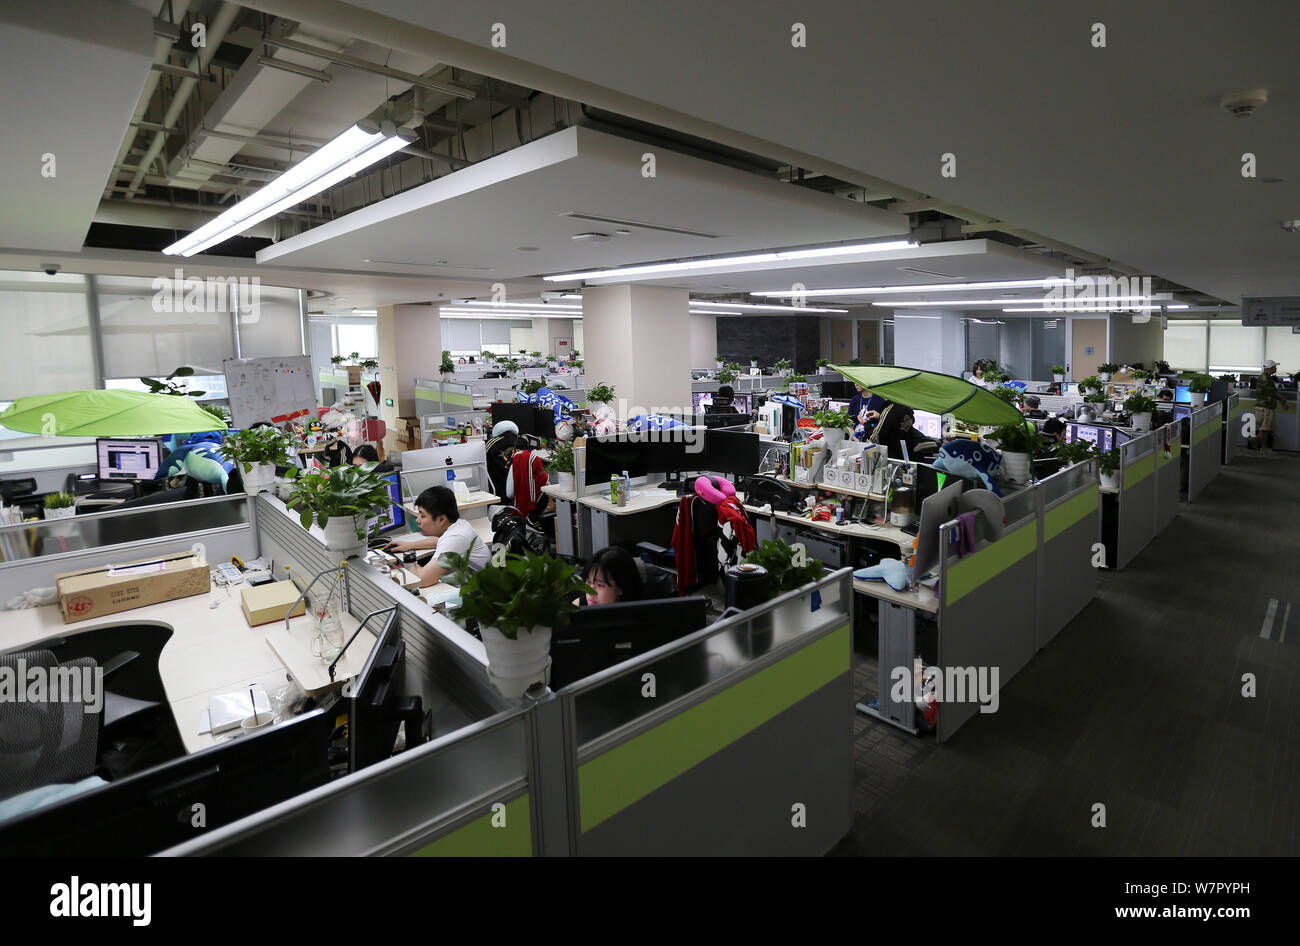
(511, 364)
(602, 393)
(782, 365)
(777, 558)
(1090, 383)
(575, 354)
(219, 413)
(576, 364)
(60, 500)
(561, 458)
(355, 356)
(1232, 378)
(797, 379)
(256, 445)
(535, 354)
(344, 491)
(1018, 438)
(1141, 374)
(1005, 393)
(1108, 461)
(1108, 367)
(1074, 452)
(528, 591)
(487, 355)
(448, 366)
(164, 386)
(1058, 369)
(370, 364)
(835, 420)
(823, 362)
(1162, 367)
(1139, 403)
(1096, 397)
(337, 360)
(728, 373)
(1200, 384)
(753, 359)
(533, 385)
(994, 376)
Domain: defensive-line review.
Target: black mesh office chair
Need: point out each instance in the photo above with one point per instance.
(49, 741)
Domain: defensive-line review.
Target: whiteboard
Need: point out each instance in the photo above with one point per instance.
(267, 388)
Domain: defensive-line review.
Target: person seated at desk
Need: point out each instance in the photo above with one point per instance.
(976, 375)
(724, 401)
(614, 576)
(1031, 407)
(864, 411)
(499, 450)
(1052, 433)
(366, 453)
(892, 428)
(442, 530)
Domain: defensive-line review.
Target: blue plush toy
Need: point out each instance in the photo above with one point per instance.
(890, 570)
(206, 464)
(560, 405)
(174, 463)
(970, 460)
(643, 422)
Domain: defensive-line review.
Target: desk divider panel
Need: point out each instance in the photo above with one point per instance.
(1206, 454)
(1169, 477)
(988, 609)
(1232, 427)
(1137, 498)
(1069, 524)
(749, 736)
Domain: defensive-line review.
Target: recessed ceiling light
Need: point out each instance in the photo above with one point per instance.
(622, 232)
(526, 249)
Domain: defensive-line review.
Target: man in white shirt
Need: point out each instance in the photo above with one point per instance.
(442, 529)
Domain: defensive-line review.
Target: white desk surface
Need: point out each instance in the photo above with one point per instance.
(477, 498)
(211, 651)
(856, 529)
(553, 490)
(923, 599)
(649, 498)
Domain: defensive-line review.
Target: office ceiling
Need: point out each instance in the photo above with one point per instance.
(476, 223)
(71, 74)
(1121, 150)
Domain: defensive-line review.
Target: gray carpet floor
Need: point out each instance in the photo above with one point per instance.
(1137, 705)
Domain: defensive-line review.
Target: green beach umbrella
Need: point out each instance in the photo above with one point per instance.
(933, 392)
(107, 414)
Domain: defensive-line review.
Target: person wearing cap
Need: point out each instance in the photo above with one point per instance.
(1266, 405)
(1031, 407)
(499, 451)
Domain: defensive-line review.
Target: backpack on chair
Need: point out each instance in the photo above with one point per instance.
(518, 534)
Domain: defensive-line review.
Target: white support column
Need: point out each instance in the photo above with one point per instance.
(410, 347)
(638, 339)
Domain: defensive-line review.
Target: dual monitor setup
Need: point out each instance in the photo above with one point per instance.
(680, 450)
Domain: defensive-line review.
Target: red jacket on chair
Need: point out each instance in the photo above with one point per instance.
(529, 476)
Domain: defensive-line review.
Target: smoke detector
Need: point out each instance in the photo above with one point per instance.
(591, 238)
(1243, 103)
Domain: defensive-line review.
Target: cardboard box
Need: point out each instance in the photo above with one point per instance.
(108, 589)
(266, 603)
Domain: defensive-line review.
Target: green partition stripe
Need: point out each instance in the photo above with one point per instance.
(967, 574)
(449, 397)
(627, 773)
(1175, 446)
(1139, 470)
(512, 837)
(1068, 513)
(1202, 432)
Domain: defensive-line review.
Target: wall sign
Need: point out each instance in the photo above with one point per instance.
(1274, 310)
(1088, 350)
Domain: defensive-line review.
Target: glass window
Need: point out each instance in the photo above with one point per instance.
(1185, 345)
(1283, 346)
(44, 334)
(362, 339)
(151, 327)
(1235, 347)
(273, 327)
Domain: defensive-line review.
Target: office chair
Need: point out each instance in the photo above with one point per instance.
(705, 537)
(48, 742)
(657, 581)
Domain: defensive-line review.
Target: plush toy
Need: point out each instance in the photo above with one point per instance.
(889, 570)
(970, 460)
(644, 422)
(174, 463)
(564, 428)
(714, 489)
(206, 464)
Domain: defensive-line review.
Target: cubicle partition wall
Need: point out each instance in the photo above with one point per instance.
(441, 397)
(1068, 523)
(1137, 498)
(1206, 453)
(736, 740)
(988, 608)
(1169, 477)
(1232, 440)
(31, 553)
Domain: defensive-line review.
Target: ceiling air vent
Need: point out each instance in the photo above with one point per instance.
(617, 222)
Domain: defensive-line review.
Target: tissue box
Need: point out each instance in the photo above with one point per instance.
(108, 589)
(263, 604)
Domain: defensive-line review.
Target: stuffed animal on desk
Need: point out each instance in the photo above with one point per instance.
(969, 459)
(643, 422)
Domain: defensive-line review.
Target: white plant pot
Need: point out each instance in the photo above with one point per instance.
(1198, 398)
(834, 436)
(1111, 480)
(1058, 377)
(1142, 421)
(341, 535)
(564, 481)
(1103, 375)
(515, 665)
(260, 477)
(67, 512)
(753, 364)
(1015, 467)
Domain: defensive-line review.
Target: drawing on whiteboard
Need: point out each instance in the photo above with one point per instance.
(263, 388)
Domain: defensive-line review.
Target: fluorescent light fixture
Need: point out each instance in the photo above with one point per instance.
(898, 316)
(558, 306)
(688, 266)
(460, 311)
(752, 307)
(374, 312)
(958, 303)
(711, 312)
(351, 152)
(940, 287)
(1093, 308)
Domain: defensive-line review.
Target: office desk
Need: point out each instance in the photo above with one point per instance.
(478, 499)
(566, 540)
(856, 530)
(599, 519)
(211, 651)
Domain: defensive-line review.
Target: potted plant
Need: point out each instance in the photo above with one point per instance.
(448, 366)
(601, 397)
(1096, 397)
(1108, 467)
(1141, 374)
(533, 385)
(1017, 443)
(575, 365)
(1199, 387)
(1090, 383)
(1005, 393)
(777, 558)
(487, 355)
(796, 378)
(1058, 372)
(1106, 369)
(561, 464)
(782, 367)
(1232, 379)
(720, 360)
(728, 373)
(60, 505)
(258, 451)
(339, 500)
(535, 354)
(823, 363)
(517, 605)
(370, 364)
(1071, 453)
(834, 426)
(1162, 367)
(1139, 408)
(753, 361)
(219, 414)
(994, 376)
(337, 360)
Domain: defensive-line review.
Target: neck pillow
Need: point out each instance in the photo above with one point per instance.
(713, 489)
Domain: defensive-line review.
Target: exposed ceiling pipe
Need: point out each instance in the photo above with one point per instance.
(216, 32)
(162, 47)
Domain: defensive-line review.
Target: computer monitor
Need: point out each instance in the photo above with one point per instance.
(731, 451)
(614, 455)
(703, 400)
(600, 636)
(129, 459)
(841, 390)
(1183, 394)
(377, 705)
(713, 421)
(1182, 410)
(1102, 438)
(543, 422)
(392, 517)
(668, 454)
(929, 424)
(942, 507)
(523, 415)
(1070, 387)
